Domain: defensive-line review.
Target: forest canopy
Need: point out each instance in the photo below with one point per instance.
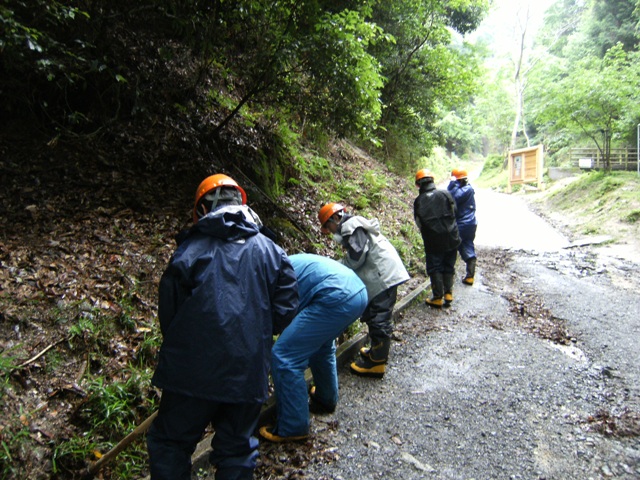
(364, 69)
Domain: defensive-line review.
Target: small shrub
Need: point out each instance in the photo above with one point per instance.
(609, 184)
(632, 217)
(347, 190)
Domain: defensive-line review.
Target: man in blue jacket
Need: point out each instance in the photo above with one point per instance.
(226, 291)
(465, 198)
(332, 297)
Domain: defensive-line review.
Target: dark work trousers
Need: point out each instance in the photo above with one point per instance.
(467, 235)
(378, 314)
(179, 426)
(441, 262)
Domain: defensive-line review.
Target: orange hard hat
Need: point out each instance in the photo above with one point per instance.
(459, 174)
(424, 173)
(211, 183)
(326, 212)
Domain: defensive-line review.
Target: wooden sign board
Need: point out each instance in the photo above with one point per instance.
(525, 166)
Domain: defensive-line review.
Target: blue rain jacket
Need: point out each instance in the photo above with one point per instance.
(226, 291)
(465, 199)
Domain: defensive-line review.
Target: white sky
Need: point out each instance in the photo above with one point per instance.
(501, 25)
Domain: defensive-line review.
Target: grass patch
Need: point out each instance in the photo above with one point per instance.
(494, 175)
(599, 200)
(112, 410)
(632, 217)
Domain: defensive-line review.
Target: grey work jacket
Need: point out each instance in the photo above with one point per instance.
(378, 264)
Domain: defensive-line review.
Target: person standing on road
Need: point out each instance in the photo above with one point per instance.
(332, 297)
(464, 196)
(226, 291)
(435, 214)
(372, 257)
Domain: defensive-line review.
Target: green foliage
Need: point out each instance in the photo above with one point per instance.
(402, 150)
(608, 183)
(588, 97)
(71, 454)
(610, 22)
(410, 247)
(112, 410)
(439, 163)
(352, 73)
(331, 67)
(348, 190)
(586, 83)
(148, 349)
(632, 217)
(7, 362)
(87, 329)
(491, 114)
(54, 66)
(111, 406)
(314, 168)
(278, 161)
(426, 72)
(494, 174)
(374, 185)
(352, 330)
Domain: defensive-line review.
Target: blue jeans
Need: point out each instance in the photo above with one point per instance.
(180, 423)
(309, 341)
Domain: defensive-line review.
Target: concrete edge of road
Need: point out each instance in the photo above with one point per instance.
(344, 353)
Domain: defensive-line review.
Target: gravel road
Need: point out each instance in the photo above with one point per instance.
(475, 393)
(534, 373)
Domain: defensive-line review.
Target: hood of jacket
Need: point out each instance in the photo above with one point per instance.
(231, 223)
(350, 222)
(427, 187)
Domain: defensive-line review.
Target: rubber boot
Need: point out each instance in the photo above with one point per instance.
(374, 365)
(316, 406)
(364, 352)
(447, 279)
(471, 271)
(437, 290)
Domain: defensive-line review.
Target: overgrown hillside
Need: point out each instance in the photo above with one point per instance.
(114, 115)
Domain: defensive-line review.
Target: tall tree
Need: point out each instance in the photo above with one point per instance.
(425, 73)
(594, 98)
(561, 22)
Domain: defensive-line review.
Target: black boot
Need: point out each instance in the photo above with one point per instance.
(437, 290)
(374, 364)
(316, 406)
(447, 279)
(471, 271)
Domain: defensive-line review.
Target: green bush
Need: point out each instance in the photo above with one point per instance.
(632, 217)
